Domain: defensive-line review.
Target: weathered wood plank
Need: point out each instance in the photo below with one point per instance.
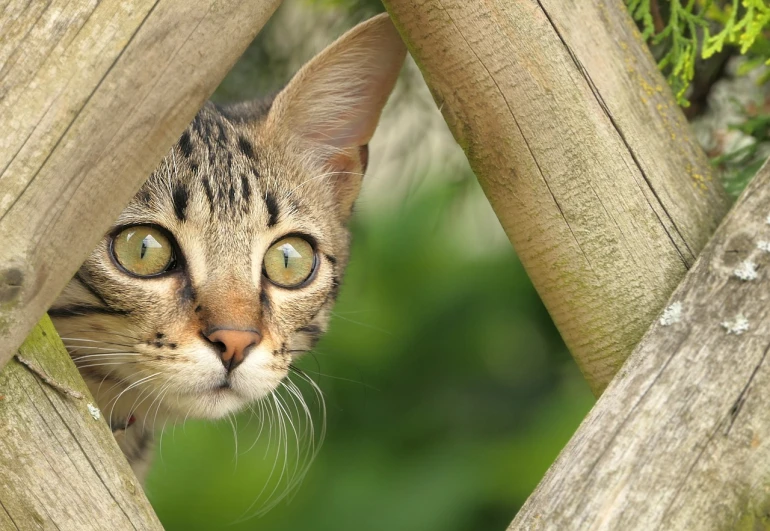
(582, 152)
(681, 437)
(92, 95)
(59, 467)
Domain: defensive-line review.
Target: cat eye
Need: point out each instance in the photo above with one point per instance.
(143, 250)
(289, 262)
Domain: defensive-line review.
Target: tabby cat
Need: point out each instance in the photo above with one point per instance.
(225, 265)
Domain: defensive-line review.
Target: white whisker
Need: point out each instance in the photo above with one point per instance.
(115, 400)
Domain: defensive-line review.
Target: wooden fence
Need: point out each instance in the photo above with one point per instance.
(580, 148)
(92, 96)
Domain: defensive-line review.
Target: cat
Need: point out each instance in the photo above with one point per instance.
(225, 265)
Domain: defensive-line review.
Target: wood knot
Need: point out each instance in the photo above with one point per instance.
(737, 249)
(10, 284)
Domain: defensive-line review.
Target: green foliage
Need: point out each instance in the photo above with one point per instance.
(739, 166)
(448, 390)
(701, 27)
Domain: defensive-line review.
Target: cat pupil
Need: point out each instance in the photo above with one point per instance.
(144, 248)
(285, 256)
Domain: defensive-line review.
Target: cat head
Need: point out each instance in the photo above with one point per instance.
(225, 265)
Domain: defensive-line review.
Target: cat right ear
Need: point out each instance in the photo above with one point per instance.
(333, 104)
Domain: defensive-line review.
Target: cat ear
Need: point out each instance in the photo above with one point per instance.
(334, 102)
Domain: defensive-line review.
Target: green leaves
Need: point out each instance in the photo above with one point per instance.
(685, 29)
(740, 165)
(738, 30)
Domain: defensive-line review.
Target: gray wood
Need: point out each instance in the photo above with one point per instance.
(582, 152)
(92, 95)
(59, 467)
(681, 437)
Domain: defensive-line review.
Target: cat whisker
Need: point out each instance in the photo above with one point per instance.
(115, 356)
(74, 346)
(75, 342)
(319, 397)
(127, 379)
(285, 438)
(234, 425)
(269, 445)
(260, 416)
(84, 358)
(307, 444)
(98, 389)
(365, 325)
(157, 399)
(163, 429)
(135, 406)
(285, 413)
(306, 456)
(106, 364)
(299, 400)
(324, 375)
(87, 340)
(101, 332)
(115, 400)
(74, 349)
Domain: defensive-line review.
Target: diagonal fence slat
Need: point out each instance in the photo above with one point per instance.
(92, 95)
(59, 466)
(582, 152)
(679, 440)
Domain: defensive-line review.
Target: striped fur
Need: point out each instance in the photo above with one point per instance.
(239, 178)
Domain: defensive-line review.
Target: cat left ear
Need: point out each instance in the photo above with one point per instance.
(334, 102)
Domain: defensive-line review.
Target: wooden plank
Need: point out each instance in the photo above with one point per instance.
(59, 466)
(92, 95)
(680, 439)
(582, 152)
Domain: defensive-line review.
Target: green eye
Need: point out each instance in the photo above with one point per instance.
(142, 250)
(289, 262)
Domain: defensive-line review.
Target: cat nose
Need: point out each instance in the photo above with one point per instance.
(235, 344)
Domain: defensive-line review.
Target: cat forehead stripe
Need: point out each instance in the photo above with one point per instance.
(185, 144)
(272, 209)
(179, 197)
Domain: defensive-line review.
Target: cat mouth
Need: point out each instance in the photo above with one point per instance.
(223, 388)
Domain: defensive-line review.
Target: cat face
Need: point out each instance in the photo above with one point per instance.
(225, 266)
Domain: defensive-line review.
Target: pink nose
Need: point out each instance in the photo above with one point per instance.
(234, 345)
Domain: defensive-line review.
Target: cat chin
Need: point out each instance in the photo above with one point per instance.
(216, 402)
(213, 404)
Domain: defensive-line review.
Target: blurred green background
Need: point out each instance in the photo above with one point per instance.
(448, 390)
(447, 387)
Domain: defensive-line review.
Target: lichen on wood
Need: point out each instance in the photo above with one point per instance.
(59, 468)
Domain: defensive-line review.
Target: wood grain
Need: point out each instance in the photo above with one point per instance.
(59, 467)
(582, 152)
(681, 438)
(92, 95)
